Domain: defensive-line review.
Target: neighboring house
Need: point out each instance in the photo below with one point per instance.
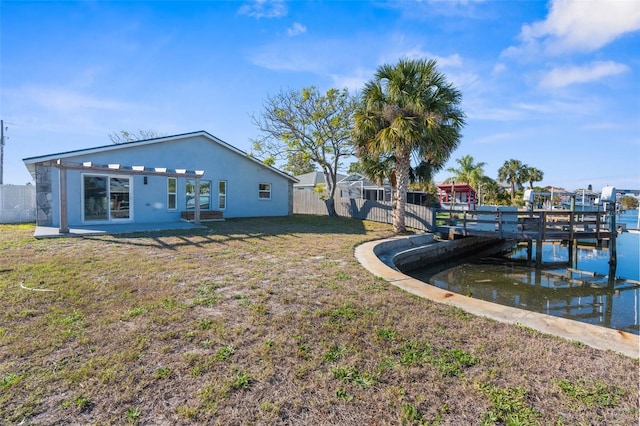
(159, 180)
(357, 186)
(310, 180)
(506, 186)
(352, 186)
(586, 198)
(555, 197)
(559, 198)
(458, 196)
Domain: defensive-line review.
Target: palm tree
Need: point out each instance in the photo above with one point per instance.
(531, 174)
(408, 109)
(377, 169)
(511, 172)
(468, 172)
(491, 192)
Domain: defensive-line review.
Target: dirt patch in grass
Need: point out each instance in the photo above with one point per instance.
(269, 321)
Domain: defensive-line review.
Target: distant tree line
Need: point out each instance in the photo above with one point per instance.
(628, 202)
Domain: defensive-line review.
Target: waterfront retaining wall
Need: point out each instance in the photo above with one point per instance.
(406, 254)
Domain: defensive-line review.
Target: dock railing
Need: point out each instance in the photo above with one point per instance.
(489, 221)
(538, 225)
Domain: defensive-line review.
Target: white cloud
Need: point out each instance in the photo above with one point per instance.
(462, 2)
(423, 8)
(264, 9)
(62, 100)
(565, 76)
(497, 137)
(50, 110)
(578, 25)
(576, 107)
(478, 111)
(355, 81)
(601, 126)
(323, 56)
(296, 29)
(464, 80)
(453, 60)
(498, 68)
(490, 109)
(290, 56)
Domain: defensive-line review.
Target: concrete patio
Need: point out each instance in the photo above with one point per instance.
(124, 228)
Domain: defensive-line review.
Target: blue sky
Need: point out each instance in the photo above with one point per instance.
(553, 84)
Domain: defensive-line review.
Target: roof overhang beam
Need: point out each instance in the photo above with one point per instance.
(130, 170)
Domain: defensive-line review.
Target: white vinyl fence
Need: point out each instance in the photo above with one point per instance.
(417, 217)
(17, 203)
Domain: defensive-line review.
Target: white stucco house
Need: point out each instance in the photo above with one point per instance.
(193, 176)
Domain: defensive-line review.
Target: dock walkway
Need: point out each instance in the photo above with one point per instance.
(529, 226)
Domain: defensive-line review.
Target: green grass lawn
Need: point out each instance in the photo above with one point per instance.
(269, 321)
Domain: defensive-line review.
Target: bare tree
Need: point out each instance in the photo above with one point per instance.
(124, 136)
(308, 125)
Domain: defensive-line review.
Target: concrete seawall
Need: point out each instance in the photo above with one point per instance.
(379, 258)
(420, 255)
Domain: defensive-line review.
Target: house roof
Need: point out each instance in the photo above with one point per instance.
(458, 187)
(313, 178)
(365, 182)
(30, 162)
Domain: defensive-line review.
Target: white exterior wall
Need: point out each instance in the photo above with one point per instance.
(197, 152)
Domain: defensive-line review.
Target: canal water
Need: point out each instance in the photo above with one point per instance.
(584, 293)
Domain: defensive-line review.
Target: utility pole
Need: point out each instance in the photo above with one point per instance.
(1, 150)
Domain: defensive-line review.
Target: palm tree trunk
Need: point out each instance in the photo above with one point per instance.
(403, 160)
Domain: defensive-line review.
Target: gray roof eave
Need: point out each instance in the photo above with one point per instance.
(30, 162)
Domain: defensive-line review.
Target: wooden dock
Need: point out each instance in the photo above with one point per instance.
(572, 227)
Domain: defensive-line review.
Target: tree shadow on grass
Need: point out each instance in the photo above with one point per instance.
(244, 229)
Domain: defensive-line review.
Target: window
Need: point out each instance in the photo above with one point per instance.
(264, 191)
(205, 194)
(119, 198)
(222, 194)
(95, 197)
(172, 197)
(106, 197)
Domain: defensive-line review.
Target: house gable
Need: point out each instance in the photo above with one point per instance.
(30, 162)
(231, 181)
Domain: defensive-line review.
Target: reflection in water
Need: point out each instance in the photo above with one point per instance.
(583, 293)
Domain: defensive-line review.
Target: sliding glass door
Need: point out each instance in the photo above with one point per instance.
(119, 198)
(106, 198)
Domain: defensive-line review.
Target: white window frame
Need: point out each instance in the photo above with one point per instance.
(175, 194)
(109, 219)
(222, 196)
(202, 186)
(261, 191)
